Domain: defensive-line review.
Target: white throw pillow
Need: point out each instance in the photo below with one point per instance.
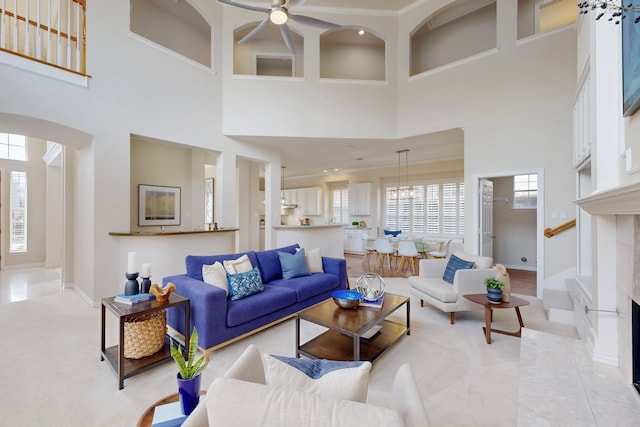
(314, 260)
(338, 380)
(240, 265)
(215, 275)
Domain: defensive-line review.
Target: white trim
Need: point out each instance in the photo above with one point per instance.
(355, 81)
(454, 64)
(281, 78)
(25, 64)
(537, 36)
(173, 53)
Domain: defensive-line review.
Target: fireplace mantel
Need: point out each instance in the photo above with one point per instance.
(623, 200)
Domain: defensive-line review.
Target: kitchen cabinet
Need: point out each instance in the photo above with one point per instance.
(359, 198)
(353, 240)
(309, 200)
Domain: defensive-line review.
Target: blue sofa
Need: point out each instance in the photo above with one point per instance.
(220, 321)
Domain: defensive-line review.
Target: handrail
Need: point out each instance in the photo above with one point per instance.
(550, 232)
(41, 26)
(47, 38)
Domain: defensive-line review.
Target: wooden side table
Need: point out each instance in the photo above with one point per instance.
(123, 367)
(514, 302)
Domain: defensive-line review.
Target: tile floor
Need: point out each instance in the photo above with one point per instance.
(28, 283)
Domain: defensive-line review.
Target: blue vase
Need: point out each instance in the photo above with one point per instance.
(494, 295)
(189, 391)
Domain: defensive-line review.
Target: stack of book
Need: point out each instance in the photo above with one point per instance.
(377, 304)
(133, 299)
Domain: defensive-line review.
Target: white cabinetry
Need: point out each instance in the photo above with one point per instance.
(359, 196)
(353, 241)
(309, 200)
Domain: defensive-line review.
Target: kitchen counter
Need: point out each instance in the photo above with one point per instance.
(327, 237)
(307, 226)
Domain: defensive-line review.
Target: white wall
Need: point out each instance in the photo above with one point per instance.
(514, 108)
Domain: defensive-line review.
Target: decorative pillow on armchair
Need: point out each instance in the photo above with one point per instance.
(338, 380)
(454, 265)
(242, 285)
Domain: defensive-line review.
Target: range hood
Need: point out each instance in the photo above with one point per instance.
(288, 205)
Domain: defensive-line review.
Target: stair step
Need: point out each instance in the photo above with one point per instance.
(553, 298)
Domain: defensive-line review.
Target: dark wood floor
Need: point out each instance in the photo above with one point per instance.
(522, 282)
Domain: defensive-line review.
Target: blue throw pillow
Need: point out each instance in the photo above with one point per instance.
(242, 285)
(454, 265)
(293, 265)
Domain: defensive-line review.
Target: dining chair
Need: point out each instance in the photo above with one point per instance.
(407, 251)
(384, 249)
(369, 245)
(442, 253)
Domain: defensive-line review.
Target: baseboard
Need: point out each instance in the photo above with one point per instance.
(84, 296)
(519, 267)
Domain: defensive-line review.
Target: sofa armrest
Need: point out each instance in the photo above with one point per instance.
(208, 306)
(472, 281)
(337, 266)
(432, 267)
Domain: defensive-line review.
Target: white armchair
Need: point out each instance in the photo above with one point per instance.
(429, 285)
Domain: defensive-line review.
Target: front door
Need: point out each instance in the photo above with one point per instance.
(486, 218)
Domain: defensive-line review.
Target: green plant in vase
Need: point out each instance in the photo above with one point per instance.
(189, 378)
(494, 289)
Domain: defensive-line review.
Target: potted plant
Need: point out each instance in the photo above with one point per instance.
(189, 377)
(494, 289)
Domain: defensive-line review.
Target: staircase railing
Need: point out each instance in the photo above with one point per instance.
(48, 31)
(550, 232)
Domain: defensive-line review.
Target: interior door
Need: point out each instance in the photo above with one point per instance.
(486, 218)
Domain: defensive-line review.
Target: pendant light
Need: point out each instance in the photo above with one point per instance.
(284, 202)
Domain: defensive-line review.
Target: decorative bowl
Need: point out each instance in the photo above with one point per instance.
(346, 298)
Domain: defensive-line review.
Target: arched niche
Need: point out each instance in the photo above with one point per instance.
(266, 54)
(455, 32)
(352, 53)
(174, 25)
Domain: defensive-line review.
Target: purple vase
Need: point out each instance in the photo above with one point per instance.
(189, 391)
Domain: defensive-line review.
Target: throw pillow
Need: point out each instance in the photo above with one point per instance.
(314, 260)
(242, 285)
(337, 380)
(454, 265)
(293, 265)
(215, 275)
(240, 265)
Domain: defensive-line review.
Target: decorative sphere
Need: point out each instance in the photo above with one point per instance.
(371, 286)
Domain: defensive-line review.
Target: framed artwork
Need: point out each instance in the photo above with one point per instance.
(158, 205)
(631, 62)
(208, 201)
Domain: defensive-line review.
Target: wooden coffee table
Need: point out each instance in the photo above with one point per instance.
(343, 340)
(514, 302)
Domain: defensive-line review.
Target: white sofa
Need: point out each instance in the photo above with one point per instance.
(430, 287)
(241, 398)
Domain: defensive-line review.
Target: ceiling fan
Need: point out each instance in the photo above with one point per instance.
(278, 14)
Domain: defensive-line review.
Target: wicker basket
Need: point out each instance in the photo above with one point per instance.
(144, 334)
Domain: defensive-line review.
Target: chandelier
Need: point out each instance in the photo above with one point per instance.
(615, 8)
(402, 192)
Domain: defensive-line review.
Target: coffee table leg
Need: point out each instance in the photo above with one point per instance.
(488, 315)
(356, 348)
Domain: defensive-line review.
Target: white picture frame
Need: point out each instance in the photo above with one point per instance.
(158, 205)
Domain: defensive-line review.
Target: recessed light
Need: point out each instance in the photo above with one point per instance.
(361, 32)
(336, 170)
